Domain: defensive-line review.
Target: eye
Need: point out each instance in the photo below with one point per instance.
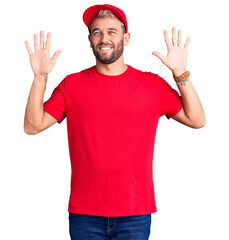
(96, 33)
(112, 32)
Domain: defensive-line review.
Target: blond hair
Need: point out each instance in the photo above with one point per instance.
(104, 14)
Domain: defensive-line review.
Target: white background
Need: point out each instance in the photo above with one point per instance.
(190, 165)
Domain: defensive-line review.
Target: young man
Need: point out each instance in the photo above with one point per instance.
(112, 112)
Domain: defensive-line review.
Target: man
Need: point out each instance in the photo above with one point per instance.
(112, 112)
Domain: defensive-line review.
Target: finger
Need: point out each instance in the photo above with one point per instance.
(28, 48)
(167, 40)
(48, 41)
(187, 43)
(41, 40)
(174, 38)
(159, 55)
(55, 56)
(179, 38)
(35, 42)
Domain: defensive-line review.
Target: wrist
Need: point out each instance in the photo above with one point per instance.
(179, 72)
(40, 77)
(40, 81)
(181, 79)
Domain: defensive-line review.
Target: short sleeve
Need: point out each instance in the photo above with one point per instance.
(170, 102)
(56, 104)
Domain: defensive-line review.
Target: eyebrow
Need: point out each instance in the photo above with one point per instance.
(113, 29)
(108, 28)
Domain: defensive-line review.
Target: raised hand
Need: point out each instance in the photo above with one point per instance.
(40, 61)
(176, 59)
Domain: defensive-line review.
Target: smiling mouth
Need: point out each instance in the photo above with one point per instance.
(105, 49)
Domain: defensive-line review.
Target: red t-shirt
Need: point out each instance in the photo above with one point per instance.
(111, 123)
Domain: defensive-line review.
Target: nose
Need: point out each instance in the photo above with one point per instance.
(104, 37)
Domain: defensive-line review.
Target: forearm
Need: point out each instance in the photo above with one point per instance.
(191, 103)
(34, 110)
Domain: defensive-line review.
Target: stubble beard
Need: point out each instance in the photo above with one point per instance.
(115, 55)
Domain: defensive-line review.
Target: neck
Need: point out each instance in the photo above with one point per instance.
(116, 68)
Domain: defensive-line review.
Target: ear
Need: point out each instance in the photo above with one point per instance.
(89, 38)
(126, 38)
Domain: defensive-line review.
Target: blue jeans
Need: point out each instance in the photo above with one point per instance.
(89, 227)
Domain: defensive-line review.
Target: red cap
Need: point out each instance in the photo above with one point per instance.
(92, 11)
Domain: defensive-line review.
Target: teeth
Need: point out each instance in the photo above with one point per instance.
(105, 48)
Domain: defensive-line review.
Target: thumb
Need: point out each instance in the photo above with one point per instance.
(159, 55)
(55, 56)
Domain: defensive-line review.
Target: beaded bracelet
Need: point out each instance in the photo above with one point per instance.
(183, 81)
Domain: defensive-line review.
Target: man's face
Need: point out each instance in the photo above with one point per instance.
(107, 39)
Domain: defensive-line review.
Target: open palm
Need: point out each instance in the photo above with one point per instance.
(176, 59)
(40, 61)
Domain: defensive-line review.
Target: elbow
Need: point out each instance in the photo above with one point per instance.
(200, 124)
(28, 129)
(29, 132)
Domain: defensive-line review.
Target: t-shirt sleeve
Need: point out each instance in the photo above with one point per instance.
(170, 102)
(56, 104)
